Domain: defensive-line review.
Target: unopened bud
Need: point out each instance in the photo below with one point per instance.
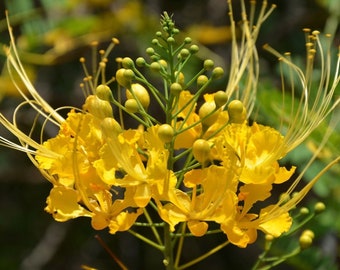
(217, 72)
(202, 80)
(131, 105)
(139, 92)
(103, 92)
(98, 107)
(122, 79)
(165, 133)
(236, 111)
(175, 88)
(201, 150)
(206, 109)
(319, 207)
(220, 98)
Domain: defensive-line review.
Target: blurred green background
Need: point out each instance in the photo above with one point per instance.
(52, 35)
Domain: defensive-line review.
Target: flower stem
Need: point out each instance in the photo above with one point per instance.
(168, 252)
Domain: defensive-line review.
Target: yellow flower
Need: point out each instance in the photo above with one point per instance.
(257, 147)
(206, 203)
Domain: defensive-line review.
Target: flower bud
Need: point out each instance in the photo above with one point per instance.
(150, 51)
(127, 62)
(217, 72)
(206, 109)
(103, 92)
(304, 211)
(131, 105)
(98, 107)
(220, 98)
(175, 88)
(202, 80)
(236, 111)
(165, 133)
(201, 150)
(319, 207)
(139, 92)
(140, 61)
(187, 40)
(194, 49)
(121, 79)
(306, 239)
(155, 66)
(208, 64)
(184, 53)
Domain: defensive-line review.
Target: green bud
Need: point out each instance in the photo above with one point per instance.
(127, 62)
(305, 241)
(129, 74)
(131, 105)
(194, 49)
(217, 72)
(150, 51)
(187, 40)
(175, 88)
(208, 64)
(184, 53)
(103, 92)
(155, 41)
(170, 40)
(202, 80)
(158, 34)
(220, 98)
(165, 133)
(140, 61)
(304, 211)
(319, 207)
(155, 66)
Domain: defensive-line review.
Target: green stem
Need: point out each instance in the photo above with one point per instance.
(168, 252)
(146, 240)
(204, 256)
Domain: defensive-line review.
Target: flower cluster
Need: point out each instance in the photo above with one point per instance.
(199, 160)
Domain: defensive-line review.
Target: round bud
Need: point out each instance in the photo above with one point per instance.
(154, 58)
(310, 233)
(121, 79)
(319, 207)
(304, 211)
(201, 150)
(140, 61)
(236, 111)
(202, 80)
(305, 241)
(158, 34)
(150, 51)
(163, 63)
(139, 92)
(155, 66)
(217, 72)
(187, 40)
(103, 92)
(165, 133)
(155, 41)
(208, 64)
(220, 98)
(131, 105)
(194, 49)
(184, 53)
(175, 31)
(127, 62)
(175, 88)
(129, 74)
(170, 40)
(206, 109)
